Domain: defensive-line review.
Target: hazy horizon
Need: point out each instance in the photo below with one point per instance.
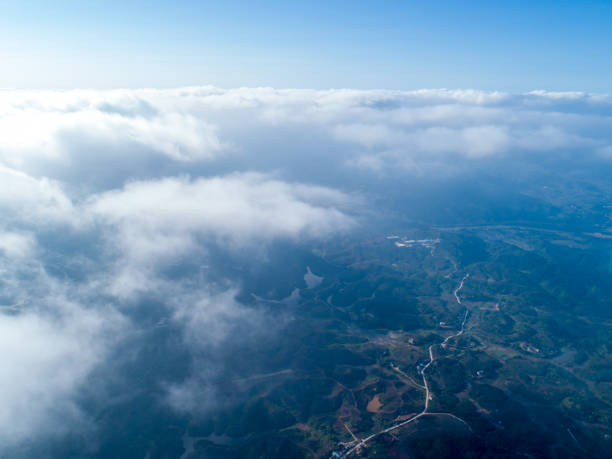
(222, 257)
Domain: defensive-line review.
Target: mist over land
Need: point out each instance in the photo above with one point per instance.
(205, 272)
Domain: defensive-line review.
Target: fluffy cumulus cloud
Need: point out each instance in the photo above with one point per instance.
(45, 132)
(56, 126)
(35, 200)
(238, 207)
(158, 221)
(104, 193)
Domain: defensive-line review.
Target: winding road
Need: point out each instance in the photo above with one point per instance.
(459, 288)
(360, 443)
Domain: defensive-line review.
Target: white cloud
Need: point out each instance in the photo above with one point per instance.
(53, 332)
(16, 245)
(237, 207)
(44, 360)
(49, 132)
(32, 200)
(161, 220)
(52, 341)
(66, 127)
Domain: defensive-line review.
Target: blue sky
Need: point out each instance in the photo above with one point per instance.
(493, 45)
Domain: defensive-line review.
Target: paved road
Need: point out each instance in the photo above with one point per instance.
(360, 443)
(459, 288)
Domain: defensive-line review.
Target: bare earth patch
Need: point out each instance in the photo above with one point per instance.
(374, 405)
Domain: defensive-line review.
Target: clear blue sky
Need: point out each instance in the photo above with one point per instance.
(506, 45)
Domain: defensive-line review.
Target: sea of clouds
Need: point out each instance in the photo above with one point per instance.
(101, 192)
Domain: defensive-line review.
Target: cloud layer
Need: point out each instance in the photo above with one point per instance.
(103, 193)
(140, 133)
(72, 266)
